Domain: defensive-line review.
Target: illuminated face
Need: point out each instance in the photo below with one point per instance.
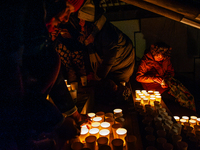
(158, 57)
(63, 16)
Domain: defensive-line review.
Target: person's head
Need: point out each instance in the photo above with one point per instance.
(60, 12)
(160, 51)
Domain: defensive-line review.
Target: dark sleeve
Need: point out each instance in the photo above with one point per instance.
(61, 96)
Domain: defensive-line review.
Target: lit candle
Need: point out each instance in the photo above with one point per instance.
(97, 119)
(66, 82)
(198, 121)
(104, 133)
(83, 134)
(142, 99)
(69, 87)
(186, 118)
(193, 117)
(192, 123)
(158, 98)
(152, 96)
(91, 115)
(145, 101)
(156, 92)
(105, 125)
(114, 128)
(95, 124)
(152, 100)
(137, 93)
(94, 132)
(150, 92)
(177, 118)
(144, 91)
(121, 133)
(138, 100)
(100, 114)
(117, 111)
(182, 121)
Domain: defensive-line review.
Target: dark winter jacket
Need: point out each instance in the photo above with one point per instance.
(116, 50)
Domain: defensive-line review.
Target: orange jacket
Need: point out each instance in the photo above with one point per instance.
(149, 69)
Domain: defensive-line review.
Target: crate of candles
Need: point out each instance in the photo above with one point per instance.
(160, 130)
(106, 131)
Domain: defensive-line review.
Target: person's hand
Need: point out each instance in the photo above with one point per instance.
(164, 86)
(158, 80)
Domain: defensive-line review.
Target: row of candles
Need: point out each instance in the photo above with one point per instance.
(109, 125)
(164, 122)
(147, 97)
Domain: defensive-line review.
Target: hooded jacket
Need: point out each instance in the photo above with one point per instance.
(149, 69)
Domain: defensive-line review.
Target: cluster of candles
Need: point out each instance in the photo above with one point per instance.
(109, 125)
(144, 97)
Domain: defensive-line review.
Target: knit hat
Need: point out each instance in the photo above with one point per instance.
(87, 11)
(76, 3)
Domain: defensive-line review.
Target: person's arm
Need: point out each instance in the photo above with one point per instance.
(143, 75)
(107, 63)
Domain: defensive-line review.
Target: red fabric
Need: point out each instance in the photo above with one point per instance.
(76, 3)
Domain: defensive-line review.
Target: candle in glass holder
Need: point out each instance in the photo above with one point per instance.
(193, 117)
(114, 128)
(120, 120)
(97, 119)
(117, 111)
(182, 121)
(145, 101)
(144, 91)
(91, 115)
(158, 98)
(69, 87)
(95, 124)
(100, 114)
(147, 95)
(83, 134)
(105, 125)
(137, 93)
(104, 133)
(150, 92)
(156, 92)
(177, 118)
(152, 100)
(140, 94)
(94, 132)
(153, 96)
(137, 101)
(186, 118)
(192, 123)
(198, 121)
(121, 133)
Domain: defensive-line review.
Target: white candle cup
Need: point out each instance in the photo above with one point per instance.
(144, 91)
(150, 92)
(158, 98)
(117, 111)
(193, 117)
(114, 128)
(152, 100)
(177, 118)
(100, 114)
(96, 125)
(147, 95)
(111, 121)
(91, 115)
(83, 134)
(104, 133)
(121, 133)
(145, 101)
(65, 82)
(136, 93)
(156, 92)
(102, 141)
(198, 121)
(118, 115)
(137, 100)
(105, 125)
(97, 119)
(186, 118)
(152, 96)
(69, 87)
(94, 132)
(192, 123)
(182, 121)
